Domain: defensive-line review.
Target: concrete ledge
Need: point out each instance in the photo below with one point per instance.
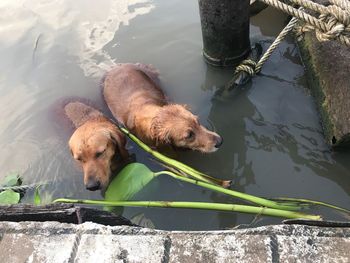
(89, 242)
(328, 70)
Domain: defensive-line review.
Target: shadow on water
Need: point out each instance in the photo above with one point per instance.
(273, 147)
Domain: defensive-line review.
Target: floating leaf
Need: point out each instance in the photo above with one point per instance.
(128, 182)
(37, 198)
(13, 179)
(9, 197)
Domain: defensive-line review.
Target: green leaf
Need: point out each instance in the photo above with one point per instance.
(128, 182)
(9, 197)
(12, 179)
(37, 198)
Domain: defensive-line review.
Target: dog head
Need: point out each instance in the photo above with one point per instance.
(176, 125)
(99, 147)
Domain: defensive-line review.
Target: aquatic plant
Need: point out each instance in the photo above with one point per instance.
(174, 164)
(134, 177)
(37, 197)
(12, 190)
(8, 195)
(197, 205)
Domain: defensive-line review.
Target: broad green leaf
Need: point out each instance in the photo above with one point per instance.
(12, 179)
(9, 197)
(37, 198)
(128, 182)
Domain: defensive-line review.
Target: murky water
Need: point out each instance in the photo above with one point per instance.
(273, 143)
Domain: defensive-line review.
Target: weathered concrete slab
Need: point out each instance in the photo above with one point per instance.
(319, 249)
(89, 242)
(120, 248)
(22, 248)
(23, 243)
(328, 70)
(220, 248)
(305, 244)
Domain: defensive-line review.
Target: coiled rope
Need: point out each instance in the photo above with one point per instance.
(250, 67)
(332, 23)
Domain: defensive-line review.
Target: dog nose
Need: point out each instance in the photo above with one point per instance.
(219, 142)
(93, 185)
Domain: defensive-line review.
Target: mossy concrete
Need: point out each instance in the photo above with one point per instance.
(328, 70)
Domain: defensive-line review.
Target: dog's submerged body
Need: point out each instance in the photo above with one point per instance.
(133, 94)
(97, 144)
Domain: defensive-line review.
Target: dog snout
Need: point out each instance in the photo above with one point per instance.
(219, 141)
(93, 184)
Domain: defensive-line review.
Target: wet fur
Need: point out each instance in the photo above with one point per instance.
(135, 98)
(93, 134)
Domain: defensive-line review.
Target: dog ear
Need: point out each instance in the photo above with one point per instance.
(119, 140)
(130, 123)
(159, 133)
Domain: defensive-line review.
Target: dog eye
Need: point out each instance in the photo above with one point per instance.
(190, 135)
(98, 154)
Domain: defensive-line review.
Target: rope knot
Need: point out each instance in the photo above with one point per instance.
(247, 66)
(329, 22)
(335, 21)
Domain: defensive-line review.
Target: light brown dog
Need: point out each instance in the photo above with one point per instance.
(97, 144)
(133, 94)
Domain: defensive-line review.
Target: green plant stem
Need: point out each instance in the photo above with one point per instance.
(171, 162)
(197, 205)
(312, 202)
(246, 197)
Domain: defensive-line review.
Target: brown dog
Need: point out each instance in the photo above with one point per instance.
(97, 144)
(132, 93)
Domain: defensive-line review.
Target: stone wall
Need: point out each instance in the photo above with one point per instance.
(89, 242)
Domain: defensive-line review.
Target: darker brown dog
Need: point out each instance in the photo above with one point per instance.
(97, 144)
(132, 93)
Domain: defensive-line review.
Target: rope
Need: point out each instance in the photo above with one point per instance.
(250, 67)
(275, 43)
(333, 21)
(22, 187)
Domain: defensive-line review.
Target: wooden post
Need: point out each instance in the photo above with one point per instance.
(225, 30)
(64, 213)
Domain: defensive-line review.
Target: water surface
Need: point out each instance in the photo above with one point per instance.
(273, 142)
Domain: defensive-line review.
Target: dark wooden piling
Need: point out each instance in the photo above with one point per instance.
(225, 30)
(64, 213)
